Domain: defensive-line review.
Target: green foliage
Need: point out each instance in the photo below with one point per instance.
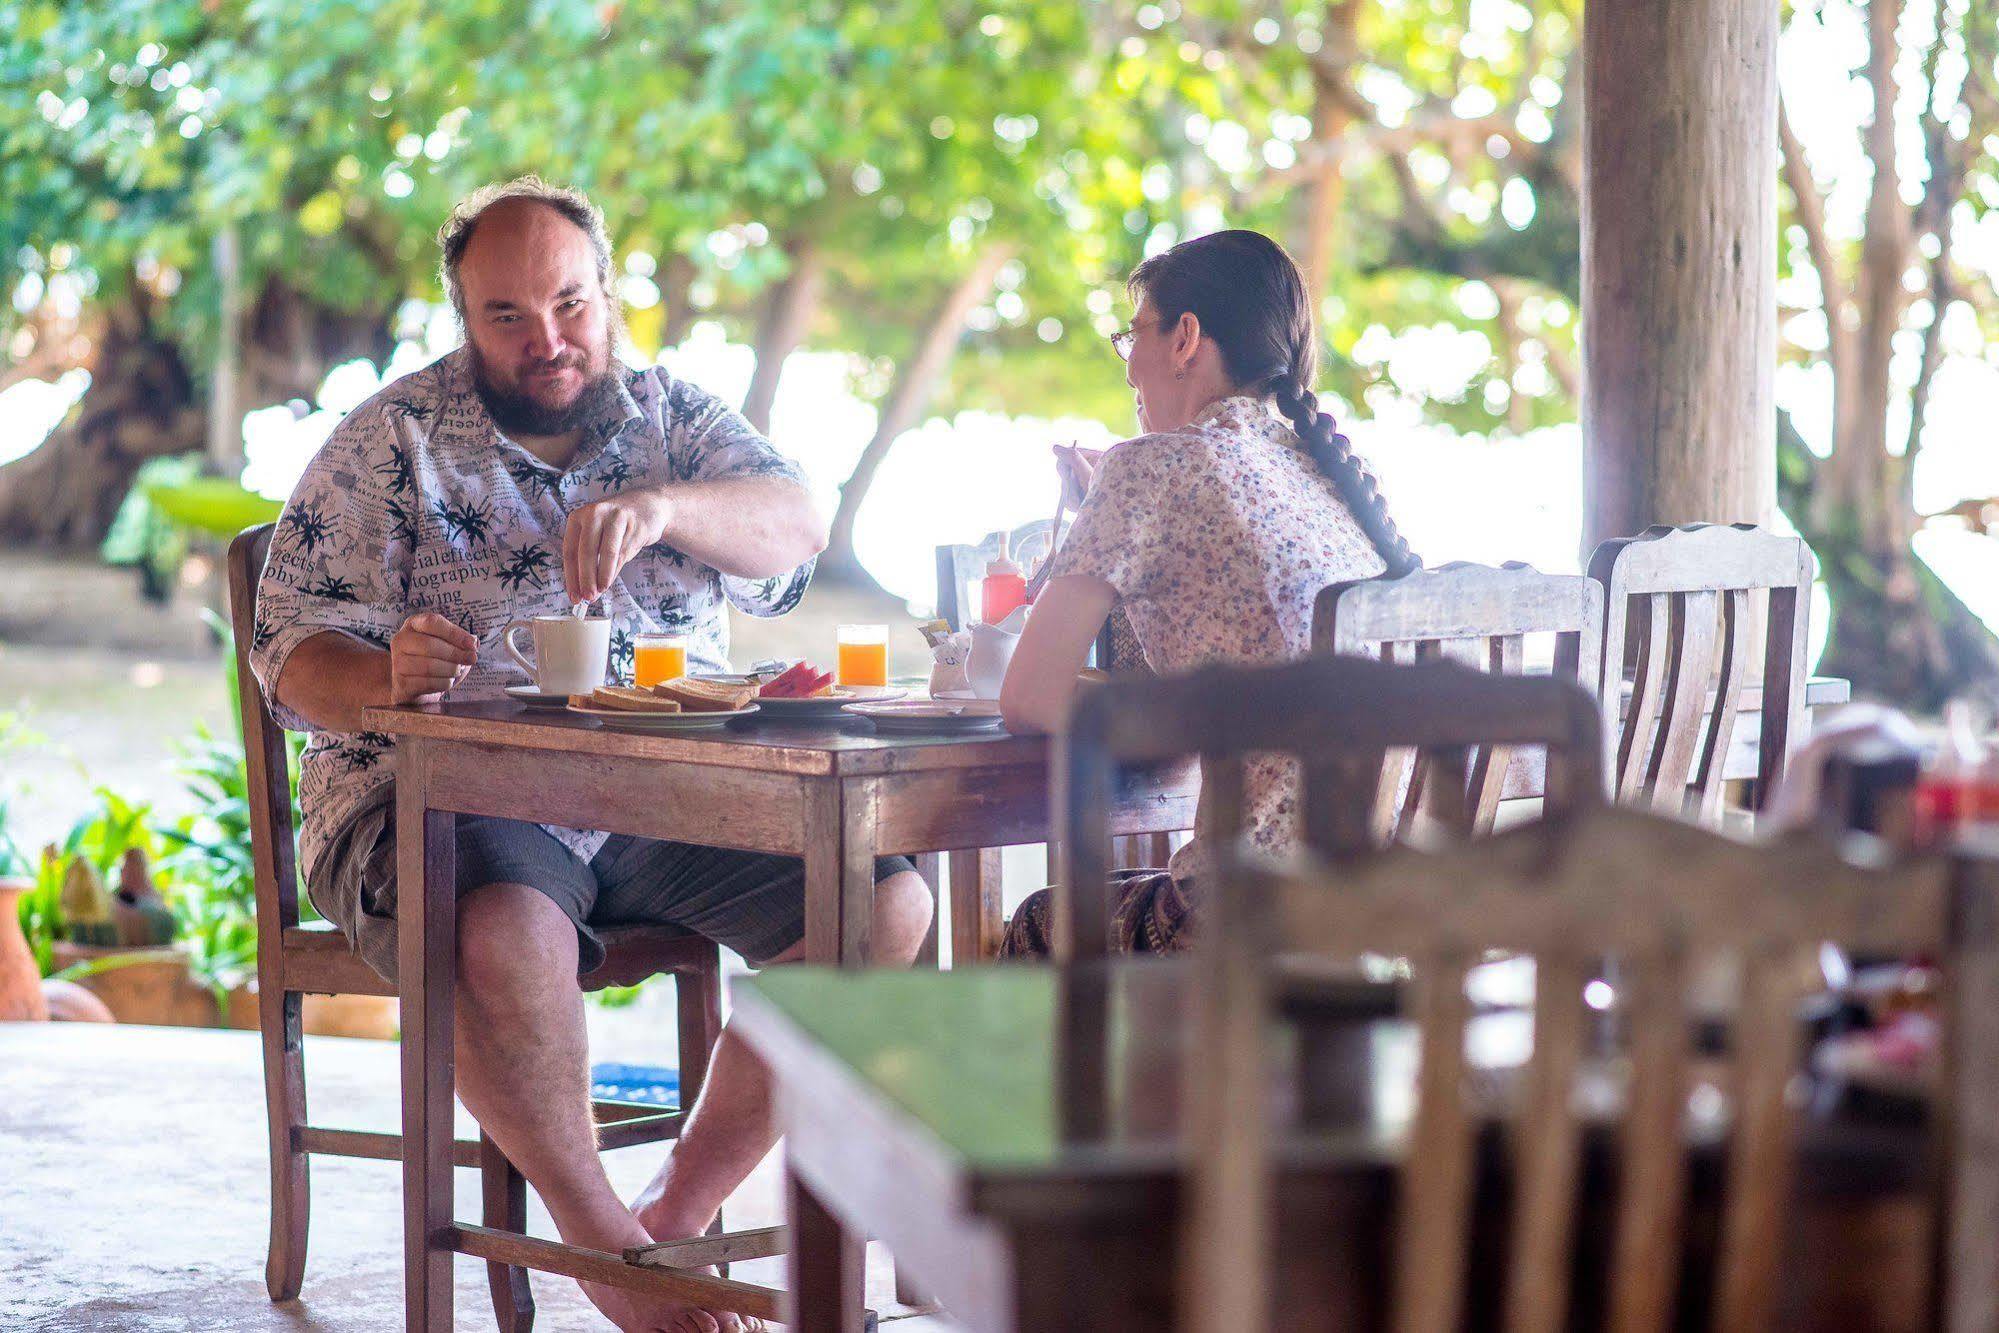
(109, 829)
(208, 874)
(14, 862)
(143, 537)
(619, 997)
(41, 910)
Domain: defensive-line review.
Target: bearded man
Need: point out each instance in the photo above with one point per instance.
(527, 471)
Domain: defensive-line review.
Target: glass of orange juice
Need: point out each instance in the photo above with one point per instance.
(658, 657)
(863, 656)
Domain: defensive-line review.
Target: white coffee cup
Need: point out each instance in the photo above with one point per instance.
(571, 653)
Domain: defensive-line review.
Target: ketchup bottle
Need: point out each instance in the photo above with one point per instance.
(1003, 591)
(1960, 788)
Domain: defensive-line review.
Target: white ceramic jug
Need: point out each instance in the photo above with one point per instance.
(992, 651)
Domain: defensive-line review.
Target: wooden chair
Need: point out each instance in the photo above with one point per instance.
(1475, 615)
(295, 959)
(1661, 895)
(1339, 716)
(1682, 610)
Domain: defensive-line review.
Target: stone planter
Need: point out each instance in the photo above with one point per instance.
(371, 1016)
(154, 986)
(20, 980)
(146, 985)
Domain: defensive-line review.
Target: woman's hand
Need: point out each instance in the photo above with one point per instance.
(1078, 469)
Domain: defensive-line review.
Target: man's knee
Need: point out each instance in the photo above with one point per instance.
(509, 934)
(903, 907)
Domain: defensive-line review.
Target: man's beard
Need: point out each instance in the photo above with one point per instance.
(517, 412)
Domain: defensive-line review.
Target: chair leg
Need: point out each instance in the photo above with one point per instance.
(976, 919)
(698, 1025)
(504, 1193)
(284, 1105)
(698, 997)
(930, 865)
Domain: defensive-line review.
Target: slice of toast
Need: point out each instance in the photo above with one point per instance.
(706, 696)
(627, 700)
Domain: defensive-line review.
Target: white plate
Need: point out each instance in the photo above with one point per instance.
(535, 697)
(931, 716)
(660, 721)
(827, 705)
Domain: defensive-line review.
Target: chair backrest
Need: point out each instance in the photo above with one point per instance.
(273, 846)
(1654, 895)
(1682, 608)
(1338, 716)
(1476, 615)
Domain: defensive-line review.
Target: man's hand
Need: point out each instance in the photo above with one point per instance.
(601, 538)
(428, 656)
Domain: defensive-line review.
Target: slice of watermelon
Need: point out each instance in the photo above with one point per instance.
(794, 683)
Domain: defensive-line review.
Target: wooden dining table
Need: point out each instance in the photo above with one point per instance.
(834, 793)
(924, 1109)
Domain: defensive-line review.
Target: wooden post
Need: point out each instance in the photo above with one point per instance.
(1679, 219)
(225, 410)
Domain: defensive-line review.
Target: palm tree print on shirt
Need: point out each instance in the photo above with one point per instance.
(332, 588)
(396, 467)
(617, 472)
(402, 523)
(529, 565)
(531, 478)
(471, 521)
(306, 525)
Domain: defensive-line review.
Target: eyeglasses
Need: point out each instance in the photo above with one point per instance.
(1122, 340)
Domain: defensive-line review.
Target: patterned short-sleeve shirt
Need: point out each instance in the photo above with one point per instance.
(1218, 538)
(417, 502)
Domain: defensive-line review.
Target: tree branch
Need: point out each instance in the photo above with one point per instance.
(1811, 217)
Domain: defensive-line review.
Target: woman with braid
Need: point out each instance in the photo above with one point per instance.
(1214, 530)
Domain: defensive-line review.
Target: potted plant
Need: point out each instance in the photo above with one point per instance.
(215, 899)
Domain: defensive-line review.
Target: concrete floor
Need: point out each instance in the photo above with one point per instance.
(134, 1189)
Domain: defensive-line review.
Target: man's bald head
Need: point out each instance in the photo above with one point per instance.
(528, 269)
(514, 202)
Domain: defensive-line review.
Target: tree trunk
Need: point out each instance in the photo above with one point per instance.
(1679, 263)
(291, 341)
(143, 402)
(225, 403)
(676, 284)
(1860, 464)
(1897, 632)
(1325, 193)
(915, 382)
(787, 315)
(140, 405)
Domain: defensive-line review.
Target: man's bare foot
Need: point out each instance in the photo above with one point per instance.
(632, 1311)
(663, 1222)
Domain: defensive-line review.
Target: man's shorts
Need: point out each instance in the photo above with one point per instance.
(751, 902)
